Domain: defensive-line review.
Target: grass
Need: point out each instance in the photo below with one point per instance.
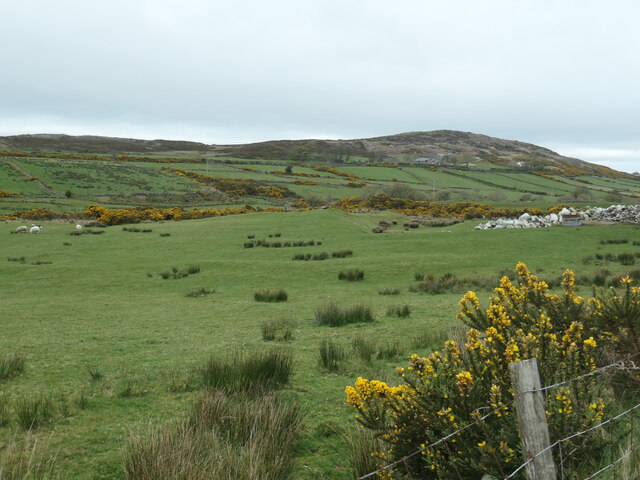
(352, 275)
(279, 295)
(225, 436)
(27, 458)
(11, 365)
(258, 370)
(33, 411)
(330, 355)
(146, 327)
(333, 315)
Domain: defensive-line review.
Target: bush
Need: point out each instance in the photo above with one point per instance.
(523, 320)
(259, 370)
(352, 275)
(11, 365)
(335, 316)
(271, 296)
(330, 355)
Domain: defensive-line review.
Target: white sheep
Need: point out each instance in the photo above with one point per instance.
(35, 229)
(21, 229)
(78, 228)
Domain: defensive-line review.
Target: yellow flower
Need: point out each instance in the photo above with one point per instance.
(590, 342)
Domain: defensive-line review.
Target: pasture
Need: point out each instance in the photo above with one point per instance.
(105, 335)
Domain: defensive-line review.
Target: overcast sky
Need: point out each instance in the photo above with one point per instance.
(563, 74)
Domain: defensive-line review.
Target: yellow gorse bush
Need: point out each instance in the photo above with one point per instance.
(465, 380)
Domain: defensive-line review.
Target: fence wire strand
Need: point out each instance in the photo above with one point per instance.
(569, 437)
(437, 442)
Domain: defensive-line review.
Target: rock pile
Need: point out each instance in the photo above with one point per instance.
(614, 213)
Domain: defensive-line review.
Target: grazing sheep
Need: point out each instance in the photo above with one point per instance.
(78, 228)
(21, 229)
(35, 229)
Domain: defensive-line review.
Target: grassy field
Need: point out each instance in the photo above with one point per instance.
(71, 184)
(97, 322)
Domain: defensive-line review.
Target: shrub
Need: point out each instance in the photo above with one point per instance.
(335, 316)
(330, 355)
(281, 329)
(523, 320)
(32, 412)
(11, 365)
(352, 275)
(260, 370)
(399, 311)
(279, 295)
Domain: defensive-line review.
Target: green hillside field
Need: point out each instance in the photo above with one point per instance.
(96, 322)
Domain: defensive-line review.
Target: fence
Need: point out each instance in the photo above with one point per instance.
(537, 447)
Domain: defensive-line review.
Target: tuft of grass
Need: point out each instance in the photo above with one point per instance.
(330, 355)
(178, 382)
(94, 373)
(256, 370)
(279, 295)
(27, 459)
(20, 259)
(199, 292)
(361, 453)
(175, 274)
(352, 275)
(399, 311)
(389, 350)
(364, 348)
(4, 412)
(11, 365)
(280, 329)
(388, 291)
(31, 412)
(342, 254)
(226, 436)
(333, 315)
(166, 234)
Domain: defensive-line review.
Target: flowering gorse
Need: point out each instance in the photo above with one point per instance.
(465, 380)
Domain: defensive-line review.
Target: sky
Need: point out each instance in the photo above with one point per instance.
(563, 74)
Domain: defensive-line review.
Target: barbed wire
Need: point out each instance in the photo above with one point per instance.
(437, 442)
(618, 460)
(619, 364)
(569, 437)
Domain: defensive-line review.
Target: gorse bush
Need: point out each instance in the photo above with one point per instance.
(258, 370)
(279, 295)
(523, 320)
(333, 315)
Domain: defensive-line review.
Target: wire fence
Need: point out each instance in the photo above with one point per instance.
(621, 365)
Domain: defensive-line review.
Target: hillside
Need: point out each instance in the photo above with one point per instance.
(442, 146)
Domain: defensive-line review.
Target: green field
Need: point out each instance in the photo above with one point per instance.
(73, 184)
(97, 302)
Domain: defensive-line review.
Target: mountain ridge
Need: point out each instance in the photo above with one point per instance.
(450, 146)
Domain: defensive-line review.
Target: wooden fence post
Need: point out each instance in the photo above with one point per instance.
(532, 419)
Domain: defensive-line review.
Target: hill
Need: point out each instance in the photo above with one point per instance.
(440, 146)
